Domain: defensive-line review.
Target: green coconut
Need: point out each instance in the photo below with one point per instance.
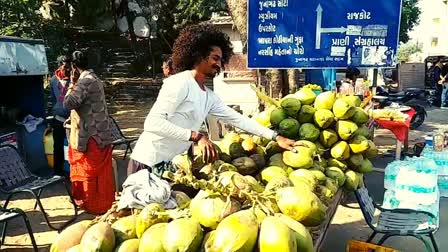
(273, 148)
(336, 174)
(345, 129)
(304, 240)
(308, 132)
(130, 245)
(372, 151)
(351, 180)
(352, 100)
(337, 163)
(302, 174)
(277, 160)
(306, 114)
(360, 116)
(245, 165)
(301, 158)
(153, 238)
(359, 144)
(277, 116)
(291, 106)
(341, 109)
(289, 128)
(268, 173)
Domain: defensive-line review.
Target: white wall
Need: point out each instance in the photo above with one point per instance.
(433, 25)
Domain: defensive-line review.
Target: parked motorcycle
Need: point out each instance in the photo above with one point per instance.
(409, 98)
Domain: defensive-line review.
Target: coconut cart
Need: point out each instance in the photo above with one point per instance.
(257, 197)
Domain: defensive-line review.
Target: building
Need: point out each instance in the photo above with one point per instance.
(432, 31)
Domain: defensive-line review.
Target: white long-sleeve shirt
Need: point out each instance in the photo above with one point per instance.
(181, 107)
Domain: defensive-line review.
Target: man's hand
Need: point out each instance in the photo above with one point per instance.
(209, 152)
(286, 143)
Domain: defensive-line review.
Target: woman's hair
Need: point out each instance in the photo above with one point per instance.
(79, 59)
(168, 61)
(64, 59)
(195, 44)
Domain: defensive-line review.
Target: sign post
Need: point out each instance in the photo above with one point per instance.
(322, 33)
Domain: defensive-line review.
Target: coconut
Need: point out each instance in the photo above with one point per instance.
(336, 174)
(366, 166)
(276, 236)
(372, 151)
(249, 145)
(277, 116)
(306, 114)
(277, 160)
(237, 232)
(352, 100)
(254, 183)
(301, 158)
(99, 237)
(341, 109)
(363, 131)
(303, 237)
(340, 151)
(331, 184)
(355, 161)
(323, 118)
(233, 181)
(273, 148)
(152, 238)
(130, 245)
(360, 116)
(278, 182)
(149, 217)
(306, 96)
(308, 132)
(183, 235)
(291, 106)
(183, 163)
(301, 205)
(208, 241)
(76, 248)
(124, 228)
(245, 165)
(210, 210)
(182, 199)
(359, 144)
(346, 129)
(328, 137)
(259, 160)
(70, 237)
(268, 173)
(302, 174)
(289, 128)
(351, 180)
(325, 100)
(337, 163)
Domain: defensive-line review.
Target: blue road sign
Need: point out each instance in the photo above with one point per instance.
(322, 33)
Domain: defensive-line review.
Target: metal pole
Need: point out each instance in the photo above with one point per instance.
(375, 81)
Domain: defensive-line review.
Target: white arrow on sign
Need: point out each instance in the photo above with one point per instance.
(320, 30)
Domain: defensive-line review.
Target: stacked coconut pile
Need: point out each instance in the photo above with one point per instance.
(257, 197)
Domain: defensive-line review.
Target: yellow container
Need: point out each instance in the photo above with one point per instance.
(358, 246)
(48, 146)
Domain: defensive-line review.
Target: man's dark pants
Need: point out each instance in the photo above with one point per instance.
(58, 145)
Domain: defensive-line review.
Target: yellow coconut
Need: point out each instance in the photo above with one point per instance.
(152, 238)
(124, 228)
(99, 237)
(276, 236)
(302, 235)
(237, 232)
(148, 217)
(183, 235)
(301, 205)
(210, 210)
(130, 245)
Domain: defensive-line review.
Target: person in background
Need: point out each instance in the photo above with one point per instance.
(90, 149)
(184, 101)
(443, 87)
(348, 85)
(167, 67)
(59, 84)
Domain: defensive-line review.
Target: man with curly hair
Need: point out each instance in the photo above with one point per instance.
(184, 101)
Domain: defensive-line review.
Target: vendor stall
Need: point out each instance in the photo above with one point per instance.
(23, 63)
(400, 128)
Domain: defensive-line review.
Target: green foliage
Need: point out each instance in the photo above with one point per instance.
(406, 50)
(189, 12)
(410, 16)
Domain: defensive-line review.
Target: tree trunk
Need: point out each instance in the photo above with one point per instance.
(238, 11)
(293, 80)
(275, 82)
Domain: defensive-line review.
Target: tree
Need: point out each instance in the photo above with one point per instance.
(410, 16)
(191, 12)
(406, 50)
